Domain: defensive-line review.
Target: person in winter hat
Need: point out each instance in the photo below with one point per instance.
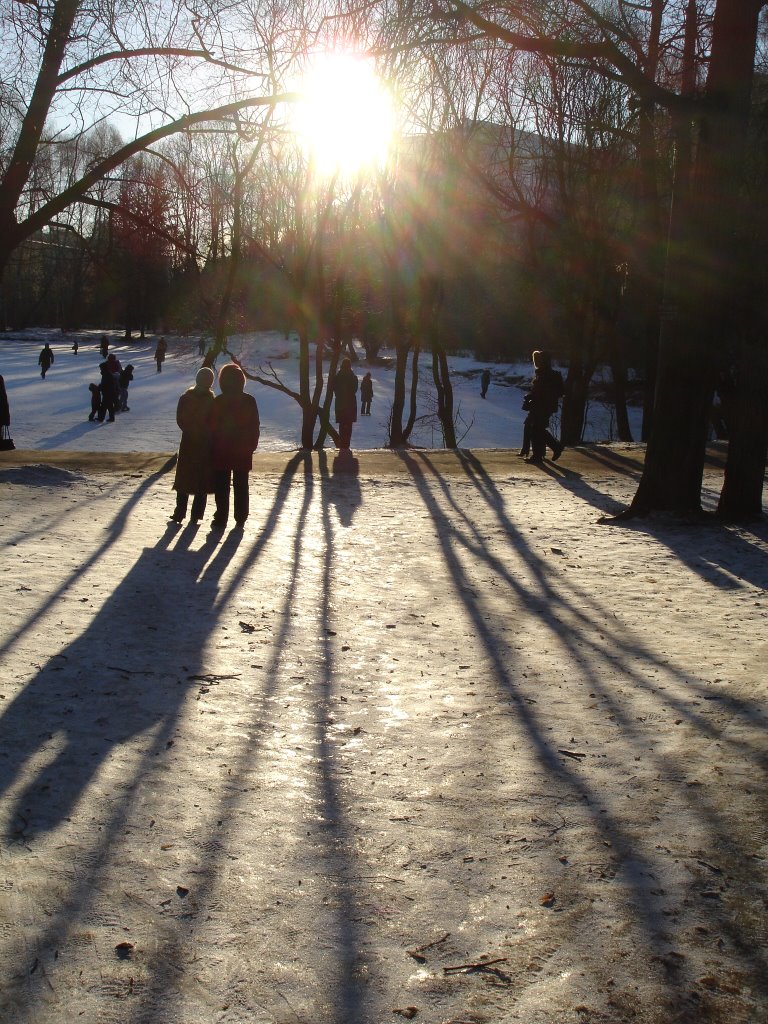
(345, 389)
(193, 465)
(95, 400)
(541, 403)
(366, 395)
(234, 425)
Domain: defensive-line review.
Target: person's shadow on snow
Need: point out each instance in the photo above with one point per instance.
(341, 487)
(123, 681)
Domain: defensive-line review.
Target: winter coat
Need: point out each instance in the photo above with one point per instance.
(46, 357)
(545, 392)
(234, 426)
(5, 412)
(126, 376)
(345, 390)
(108, 384)
(193, 466)
(366, 388)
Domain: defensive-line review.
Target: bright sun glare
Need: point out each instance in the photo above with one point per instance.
(346, 117)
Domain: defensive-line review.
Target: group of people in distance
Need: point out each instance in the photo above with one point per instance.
(110, 395)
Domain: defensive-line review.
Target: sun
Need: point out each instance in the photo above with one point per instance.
(345, 120)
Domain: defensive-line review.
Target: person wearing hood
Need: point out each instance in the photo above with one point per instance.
(45, 360)
(345, 389)
(193, 464)
(234, 425)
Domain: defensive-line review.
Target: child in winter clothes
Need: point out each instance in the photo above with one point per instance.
(124, 379)
(95, 400)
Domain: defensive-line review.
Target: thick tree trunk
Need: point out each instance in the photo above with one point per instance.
(619, 374)
(397, 436)
(414, 393)
(574, 410)
(741, 498)
(445, 410)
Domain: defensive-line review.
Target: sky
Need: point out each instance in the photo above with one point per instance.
(52, 414)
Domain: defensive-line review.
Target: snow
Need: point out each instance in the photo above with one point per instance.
(425, 712)
(52, 414)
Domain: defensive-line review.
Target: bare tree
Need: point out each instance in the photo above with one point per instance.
(78, 64)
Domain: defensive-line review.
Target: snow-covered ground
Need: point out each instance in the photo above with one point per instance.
(424, 741)
(53, 413)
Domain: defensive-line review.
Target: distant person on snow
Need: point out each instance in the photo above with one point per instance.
(366, 395)
(234, 424)
(541, 401)
(75, 346)
(95, 401)
(104, 346)
(162, 348)
(485, 380)
(193, 465)
(345, 389)
(45, 359)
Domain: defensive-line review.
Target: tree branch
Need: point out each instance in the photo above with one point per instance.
(78, 189)
(147, 51)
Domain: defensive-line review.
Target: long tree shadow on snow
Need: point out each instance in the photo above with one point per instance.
(82, 713)
(323, 856)
(572, 619)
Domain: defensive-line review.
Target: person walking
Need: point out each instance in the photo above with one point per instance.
(541, 401)
(193, 466)
(345, 390)
(162, 348)
(104, 346)
(234, 426)
(485, 380)
(45, 359)
(366, 395)
(75, 346)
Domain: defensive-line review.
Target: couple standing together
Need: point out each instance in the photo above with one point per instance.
(219, 435)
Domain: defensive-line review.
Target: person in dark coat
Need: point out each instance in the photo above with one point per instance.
(5, 410)
(234, 426)
(366, 395)
(6, 444)
(104, 346)
(345, 390)
(75, 346)
(193, 466)
(45, 360)
(541, 402)
(108, 390)
(123, 382)
(95, 401)
(485, 380)
(162, 348)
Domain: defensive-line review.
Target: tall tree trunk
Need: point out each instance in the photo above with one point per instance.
(414, 393)
(397, 438)
(574, 413)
